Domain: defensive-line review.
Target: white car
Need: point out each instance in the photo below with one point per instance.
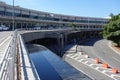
(3, 27)
(37, 28)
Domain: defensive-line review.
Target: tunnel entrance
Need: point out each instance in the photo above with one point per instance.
(45, 41)
(50, 43)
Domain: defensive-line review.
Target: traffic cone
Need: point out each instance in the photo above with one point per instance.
(96, 60)
(114, 70)
(105, 65)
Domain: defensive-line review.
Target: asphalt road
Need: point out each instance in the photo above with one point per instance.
(91, 72)
(98, 48)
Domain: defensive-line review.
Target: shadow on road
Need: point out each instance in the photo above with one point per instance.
(90, 42)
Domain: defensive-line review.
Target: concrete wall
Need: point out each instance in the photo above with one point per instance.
(38, 34)
(67, 35)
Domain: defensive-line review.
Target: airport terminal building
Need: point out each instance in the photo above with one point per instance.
(27, 18)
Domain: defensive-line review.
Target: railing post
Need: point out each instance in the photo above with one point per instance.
(11, 68)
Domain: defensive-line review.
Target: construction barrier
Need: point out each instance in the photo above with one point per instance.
(114, 70)
(80, 53)
(96, 60)
(105, 65)
(86, 56)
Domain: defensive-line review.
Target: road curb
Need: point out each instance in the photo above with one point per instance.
(110, 45)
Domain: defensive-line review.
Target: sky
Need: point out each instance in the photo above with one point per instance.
(88, 8)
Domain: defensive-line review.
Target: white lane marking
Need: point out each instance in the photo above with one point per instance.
(85, 62)
(80, 60)
(84, 73)
(97, 68)
(91, 65)
(109, 44)
(105, 70)
(5, 41)
(99, 71)
(113, 76)
(116, 59)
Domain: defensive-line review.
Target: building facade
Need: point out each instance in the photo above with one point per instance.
(27, 18)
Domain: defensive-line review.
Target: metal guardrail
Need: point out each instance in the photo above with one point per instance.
(9, 65)
(58, 28)
(7, 62)
(28, 70)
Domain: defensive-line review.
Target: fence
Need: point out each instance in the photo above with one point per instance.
(27, 68)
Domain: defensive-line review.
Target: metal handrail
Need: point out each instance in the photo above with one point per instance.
(7, 63)
(23, 67)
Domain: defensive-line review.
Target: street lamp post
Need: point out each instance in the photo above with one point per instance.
(76, 44)
(13, 17)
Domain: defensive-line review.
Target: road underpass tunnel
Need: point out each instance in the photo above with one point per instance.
(51, 43)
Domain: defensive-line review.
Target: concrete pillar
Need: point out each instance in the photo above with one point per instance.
(58, 41)
(62, 40)
(9, 24)
(21, 25)
(66, 39)
(26, 25)
(15, 25)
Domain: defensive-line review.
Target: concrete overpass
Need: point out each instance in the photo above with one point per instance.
(63, 36)
(15, 63)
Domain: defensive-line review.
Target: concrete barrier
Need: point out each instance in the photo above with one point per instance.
(86, 56)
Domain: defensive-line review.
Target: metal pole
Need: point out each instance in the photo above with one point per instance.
(88, 23)
(13, 17)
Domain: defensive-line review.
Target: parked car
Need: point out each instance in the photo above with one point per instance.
(37, 28)
(3, 27)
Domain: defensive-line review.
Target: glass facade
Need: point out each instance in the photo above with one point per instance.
(2, 13)
(17, 14)
(6, 13)
(82, 22)
(25, 15)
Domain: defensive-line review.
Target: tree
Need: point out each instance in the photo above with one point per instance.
(111, 31)
(73, 25)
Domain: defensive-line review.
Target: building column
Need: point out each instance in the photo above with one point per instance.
(9, 24)
(62, 40)
(21, 25)
(15, 25)
(66, 38)
(26, 25)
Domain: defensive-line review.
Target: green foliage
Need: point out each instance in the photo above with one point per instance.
(73, 25)
(112, 30)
